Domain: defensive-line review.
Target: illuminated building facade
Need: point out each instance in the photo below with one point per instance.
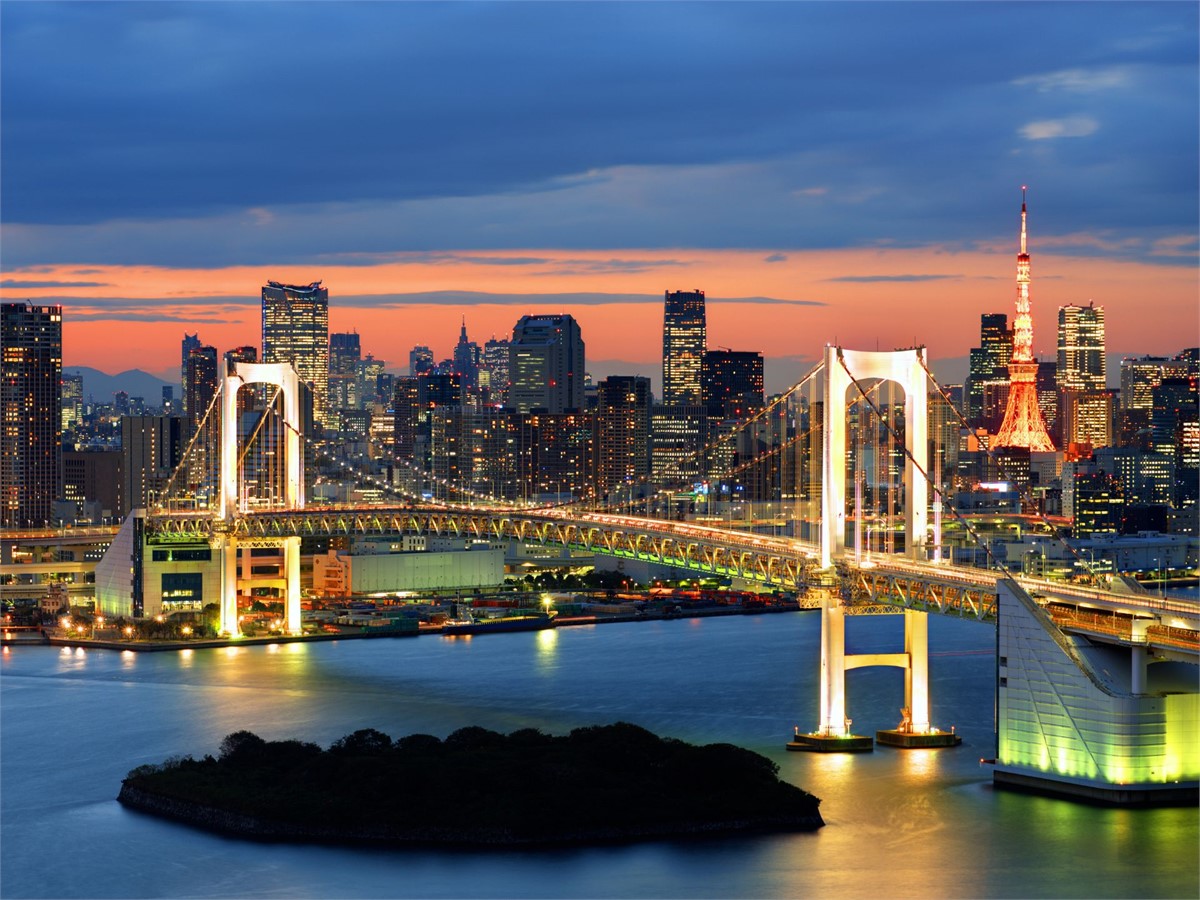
(189, 343)
(420, 359)
(72, 402)
(295, 330)
(732, 383)
(622, 435)
(466, 360)
(1081, 361)
(494, 366)
(988, 364)
(677, 437)
(152, 447)
(200, 382)
(684, 343)
(1087, 418)
(554, 455)
(345, 371)
(30, 413)
(546, 365)
(1023, 424)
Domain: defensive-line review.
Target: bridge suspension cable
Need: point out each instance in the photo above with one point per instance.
(1026, 498)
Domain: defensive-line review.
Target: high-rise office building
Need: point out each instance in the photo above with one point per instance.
(72, 402)
(420, 360)
(295, 329)
(31, 412)
(546, 365)
(1141, 375)
(152, 448)
(375, 380)
(732, 383)
(988, 364)
(1087, 418)
(553, 455)
(201, 381)
(246, 354)
(1081, 362)
(1023, 426)
(345, 371)
(685, 339)
(466, 360)
(622, 421)
(189, 343)
(95, 478)
(677, 438)
(494, 365)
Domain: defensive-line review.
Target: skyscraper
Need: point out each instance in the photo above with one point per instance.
(345, 371)
(684, 342)
(988, 363)
(152, 448)
(466, 360)
(495, 364)
(72, 402)
(189, 343)
(622, 432)
(201, 380)
(295, 329)
(546, 365)
(420, 359)
(1081, 362)
(1023, 424)
(732, 383)
(31, 412)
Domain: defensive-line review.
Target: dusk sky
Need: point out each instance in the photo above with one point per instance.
(845, 172)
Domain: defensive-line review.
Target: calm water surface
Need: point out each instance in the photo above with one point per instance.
(900, 824)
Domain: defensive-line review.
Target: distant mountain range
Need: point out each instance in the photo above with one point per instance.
(100, 386)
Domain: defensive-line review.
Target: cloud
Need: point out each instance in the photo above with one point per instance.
(14, 284)
(550, 300)
(872, 279)
(488, 127)
(775, 258)
(1050, 129)
(1177, 245)
(1077, 80)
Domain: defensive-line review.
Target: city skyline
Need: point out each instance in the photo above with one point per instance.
(426, 169)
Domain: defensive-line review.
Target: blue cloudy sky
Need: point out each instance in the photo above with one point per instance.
(314, 137)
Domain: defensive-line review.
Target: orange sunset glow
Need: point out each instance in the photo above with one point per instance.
(790, 307)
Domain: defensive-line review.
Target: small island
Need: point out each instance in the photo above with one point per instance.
(475, 788)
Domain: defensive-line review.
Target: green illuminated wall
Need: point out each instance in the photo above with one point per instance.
(1061, 718)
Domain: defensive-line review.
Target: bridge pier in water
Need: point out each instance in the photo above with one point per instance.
(834, 733)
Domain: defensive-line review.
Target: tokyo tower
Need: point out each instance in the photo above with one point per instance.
(1023, 423)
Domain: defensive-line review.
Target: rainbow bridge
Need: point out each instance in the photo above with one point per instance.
(1081, 706)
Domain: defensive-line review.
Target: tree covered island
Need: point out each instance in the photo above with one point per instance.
(603, 783)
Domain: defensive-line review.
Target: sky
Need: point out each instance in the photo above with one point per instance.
(843, 173)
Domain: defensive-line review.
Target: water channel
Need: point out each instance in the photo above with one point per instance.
(899, 823)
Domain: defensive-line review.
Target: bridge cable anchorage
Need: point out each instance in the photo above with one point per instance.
(1026, 498)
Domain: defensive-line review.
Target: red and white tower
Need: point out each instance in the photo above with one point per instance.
(1023, 424)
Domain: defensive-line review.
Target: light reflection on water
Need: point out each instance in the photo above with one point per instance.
(900, 823)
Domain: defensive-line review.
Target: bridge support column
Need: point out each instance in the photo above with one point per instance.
(229, 578)
(833, 735)
(833, 669)
(916, 676)
(291, 568)
(1137, 669)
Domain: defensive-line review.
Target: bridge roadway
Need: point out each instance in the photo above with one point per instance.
(868, 582)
